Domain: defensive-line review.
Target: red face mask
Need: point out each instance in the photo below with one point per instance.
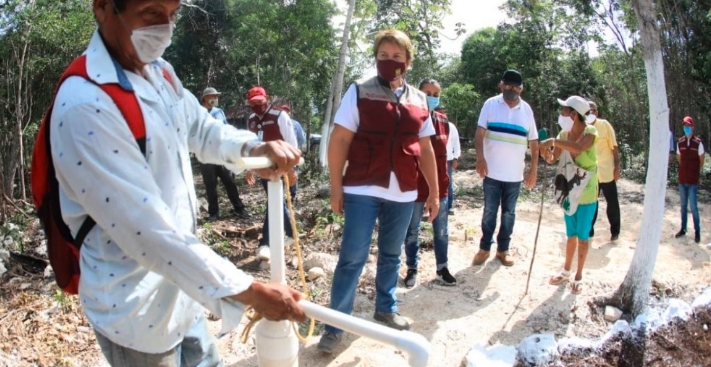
(390, 70)
(259, 109)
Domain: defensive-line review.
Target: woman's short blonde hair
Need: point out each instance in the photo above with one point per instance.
(397, 37)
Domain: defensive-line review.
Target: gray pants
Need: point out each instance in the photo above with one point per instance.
(196, 350)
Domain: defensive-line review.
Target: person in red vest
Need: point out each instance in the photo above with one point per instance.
(270, 124)
(146, 278)
(690, 155)
(441, 233)
(382, 128)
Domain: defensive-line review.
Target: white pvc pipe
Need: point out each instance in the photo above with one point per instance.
(416, 346)
(271, 333)
(275, 202)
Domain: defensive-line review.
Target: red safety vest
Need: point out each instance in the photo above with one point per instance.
(690, 166)
(268, 125)
(388, 137)
(439, 144)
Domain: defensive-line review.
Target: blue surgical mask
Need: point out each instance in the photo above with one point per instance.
(432, 102)
(688, 130)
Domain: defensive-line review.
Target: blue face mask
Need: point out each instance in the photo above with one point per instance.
(688, 130)
(432, 102)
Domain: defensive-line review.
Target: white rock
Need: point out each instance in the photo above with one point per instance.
(48, 271)
(3, 269)
(575, 343)
(83, 329)
(327, 262)
(612, 314)
(495, 356)
(372, 259)
(705, 327)
(315, 273)
(8, 241)
(12, 226)
(620, 327)
(703, 300)
(202, 204)
(24, 286)
(42, 249)
(676, 308)
(538, 349)
(4, 255)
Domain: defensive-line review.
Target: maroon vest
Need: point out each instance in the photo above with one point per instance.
(439, 144)
(690, 165)
(268, 125)
(388, 136)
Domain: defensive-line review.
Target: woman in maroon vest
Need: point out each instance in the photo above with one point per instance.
(382, 129)
(690, 152)
(441, 233)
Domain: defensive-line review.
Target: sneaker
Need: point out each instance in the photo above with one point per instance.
(264, 253)
(614, 237)
(451, 212)
(411, 278)
(697, 237)
(242, 213)
(329, 341)
(393, 320)
(480, 257)
(505, 259)
(445, 277)
(681, 233)
(212, 218)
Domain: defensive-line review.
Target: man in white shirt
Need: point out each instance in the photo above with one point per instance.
(145, 276)
(506, 128)
(454, 150)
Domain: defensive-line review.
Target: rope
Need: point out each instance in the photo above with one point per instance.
(255, 316)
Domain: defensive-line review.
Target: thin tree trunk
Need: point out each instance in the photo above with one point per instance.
(334, 99)
(633, 293)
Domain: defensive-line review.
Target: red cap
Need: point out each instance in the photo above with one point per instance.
(688, 121)
(256, 94)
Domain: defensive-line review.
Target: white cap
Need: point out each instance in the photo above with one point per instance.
(579, 104)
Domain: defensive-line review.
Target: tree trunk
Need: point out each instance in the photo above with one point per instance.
(633, 293)
(334, 100)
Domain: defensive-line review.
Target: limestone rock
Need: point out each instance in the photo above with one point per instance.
(612, 314)
(315, 273)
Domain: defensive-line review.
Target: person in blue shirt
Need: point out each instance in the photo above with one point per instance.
(211, 172)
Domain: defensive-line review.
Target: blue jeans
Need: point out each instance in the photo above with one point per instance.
(360, 215)
(498, 193)
(265, 227)
(450, 192)
(441, 236)
(688, 196)
(196, 350)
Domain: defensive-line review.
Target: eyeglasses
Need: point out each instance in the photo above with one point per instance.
(512, 87)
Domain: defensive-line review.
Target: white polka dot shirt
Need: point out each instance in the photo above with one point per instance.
(145, 275)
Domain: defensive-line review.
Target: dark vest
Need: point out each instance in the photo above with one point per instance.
(690, 165)
(268, 125)
(439, 144)
(388, 136)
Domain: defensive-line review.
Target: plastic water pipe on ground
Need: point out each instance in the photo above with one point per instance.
(277, 344)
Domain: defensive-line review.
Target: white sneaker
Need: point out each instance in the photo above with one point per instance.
(264, 253)
(708, 245)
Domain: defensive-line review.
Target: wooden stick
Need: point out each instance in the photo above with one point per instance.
(538, 227)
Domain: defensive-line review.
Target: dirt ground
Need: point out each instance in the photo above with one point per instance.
(487, 306)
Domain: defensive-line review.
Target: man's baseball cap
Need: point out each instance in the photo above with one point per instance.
(580, 105)
(256, 94)
(688, 120)
(512, 77)
(210, 91)
(593, 105)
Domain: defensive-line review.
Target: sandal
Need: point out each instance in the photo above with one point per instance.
(576, 286)
(561, 278)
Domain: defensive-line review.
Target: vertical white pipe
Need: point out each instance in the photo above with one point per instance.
(275, 190)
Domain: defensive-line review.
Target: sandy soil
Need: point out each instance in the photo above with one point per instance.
(487, 305)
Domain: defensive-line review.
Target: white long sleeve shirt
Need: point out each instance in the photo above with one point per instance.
(145, 276)
(454, 149)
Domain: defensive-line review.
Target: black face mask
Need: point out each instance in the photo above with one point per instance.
(510, 95)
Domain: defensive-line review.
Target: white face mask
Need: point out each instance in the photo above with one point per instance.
(565, 122)
(150, 42)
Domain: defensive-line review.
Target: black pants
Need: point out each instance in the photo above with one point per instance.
(609, 190)
(210, 173)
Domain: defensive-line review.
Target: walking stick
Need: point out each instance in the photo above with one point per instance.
(542, 135)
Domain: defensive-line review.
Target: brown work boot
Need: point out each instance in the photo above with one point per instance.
(505, 259)
(480, 257)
